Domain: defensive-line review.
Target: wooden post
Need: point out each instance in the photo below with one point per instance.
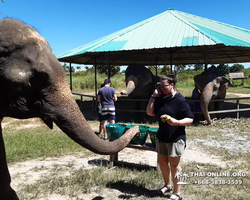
(113, 158)
(238, 107)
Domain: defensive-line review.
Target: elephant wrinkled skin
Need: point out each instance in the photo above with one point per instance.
(213, 85)
(33, 84)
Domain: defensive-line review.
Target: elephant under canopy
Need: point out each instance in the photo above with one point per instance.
(33, 84)
(140, 82)
(213, 85)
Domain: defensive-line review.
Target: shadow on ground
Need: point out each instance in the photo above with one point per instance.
(131, 190)
(128, 165)
(99, 162)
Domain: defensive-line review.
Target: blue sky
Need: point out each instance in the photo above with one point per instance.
(67, 24)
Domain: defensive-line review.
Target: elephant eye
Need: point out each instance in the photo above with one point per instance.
(40, 80)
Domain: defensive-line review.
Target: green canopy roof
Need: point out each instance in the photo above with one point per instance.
(172, 37)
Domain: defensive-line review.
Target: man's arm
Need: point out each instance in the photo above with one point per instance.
(99, 98)
(115, 97)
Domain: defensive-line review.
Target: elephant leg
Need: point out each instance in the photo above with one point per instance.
(205, 101)
(212, 107)
(6, 192)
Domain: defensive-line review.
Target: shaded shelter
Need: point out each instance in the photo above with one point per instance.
(170, 38)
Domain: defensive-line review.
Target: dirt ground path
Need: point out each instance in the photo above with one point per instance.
(239, 94)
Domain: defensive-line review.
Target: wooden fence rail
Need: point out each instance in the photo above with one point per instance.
(85, 95)
(237, 109)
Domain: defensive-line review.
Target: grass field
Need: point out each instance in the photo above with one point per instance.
(27, 140)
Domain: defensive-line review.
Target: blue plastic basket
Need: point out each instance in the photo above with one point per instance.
(115, 131)
(141, 137)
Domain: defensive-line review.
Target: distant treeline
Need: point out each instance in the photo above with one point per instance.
(85, 79)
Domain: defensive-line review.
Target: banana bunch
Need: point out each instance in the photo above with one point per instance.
(164, 118)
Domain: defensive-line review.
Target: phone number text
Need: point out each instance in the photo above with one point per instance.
(218, 182)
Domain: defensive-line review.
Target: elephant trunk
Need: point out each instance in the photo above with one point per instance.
(130, 87)
(68, 117)
(206, 97)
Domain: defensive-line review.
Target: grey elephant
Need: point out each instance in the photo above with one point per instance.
(33, 84)
(140, 82)
(213, 85)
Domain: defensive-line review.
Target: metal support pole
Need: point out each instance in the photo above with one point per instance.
(94, 104)
(109, 75)
(95, 78)
(156, 68)
(70, 74)
(206, 59)
(171, 61)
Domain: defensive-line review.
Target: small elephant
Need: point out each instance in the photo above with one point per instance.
(33, 84)
(213, 85)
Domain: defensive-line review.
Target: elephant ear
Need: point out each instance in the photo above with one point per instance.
(226, 82)
(48, 122)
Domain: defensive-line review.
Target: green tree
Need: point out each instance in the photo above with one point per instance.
(103, 69)
(68, 69)
(236, 68)
(224, 68)
(65, 67)
(198, 67)
(165, 70)
(179, 68)
(152, 69)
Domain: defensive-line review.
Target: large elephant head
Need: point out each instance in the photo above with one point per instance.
(140, 82)
(213, 84)
(33, 84)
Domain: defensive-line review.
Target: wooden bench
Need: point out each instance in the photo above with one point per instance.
(147, 146)
(237, 76)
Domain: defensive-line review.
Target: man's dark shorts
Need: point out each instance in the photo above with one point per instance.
(108, 113)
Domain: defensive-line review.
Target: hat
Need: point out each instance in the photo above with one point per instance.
(107, 81)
